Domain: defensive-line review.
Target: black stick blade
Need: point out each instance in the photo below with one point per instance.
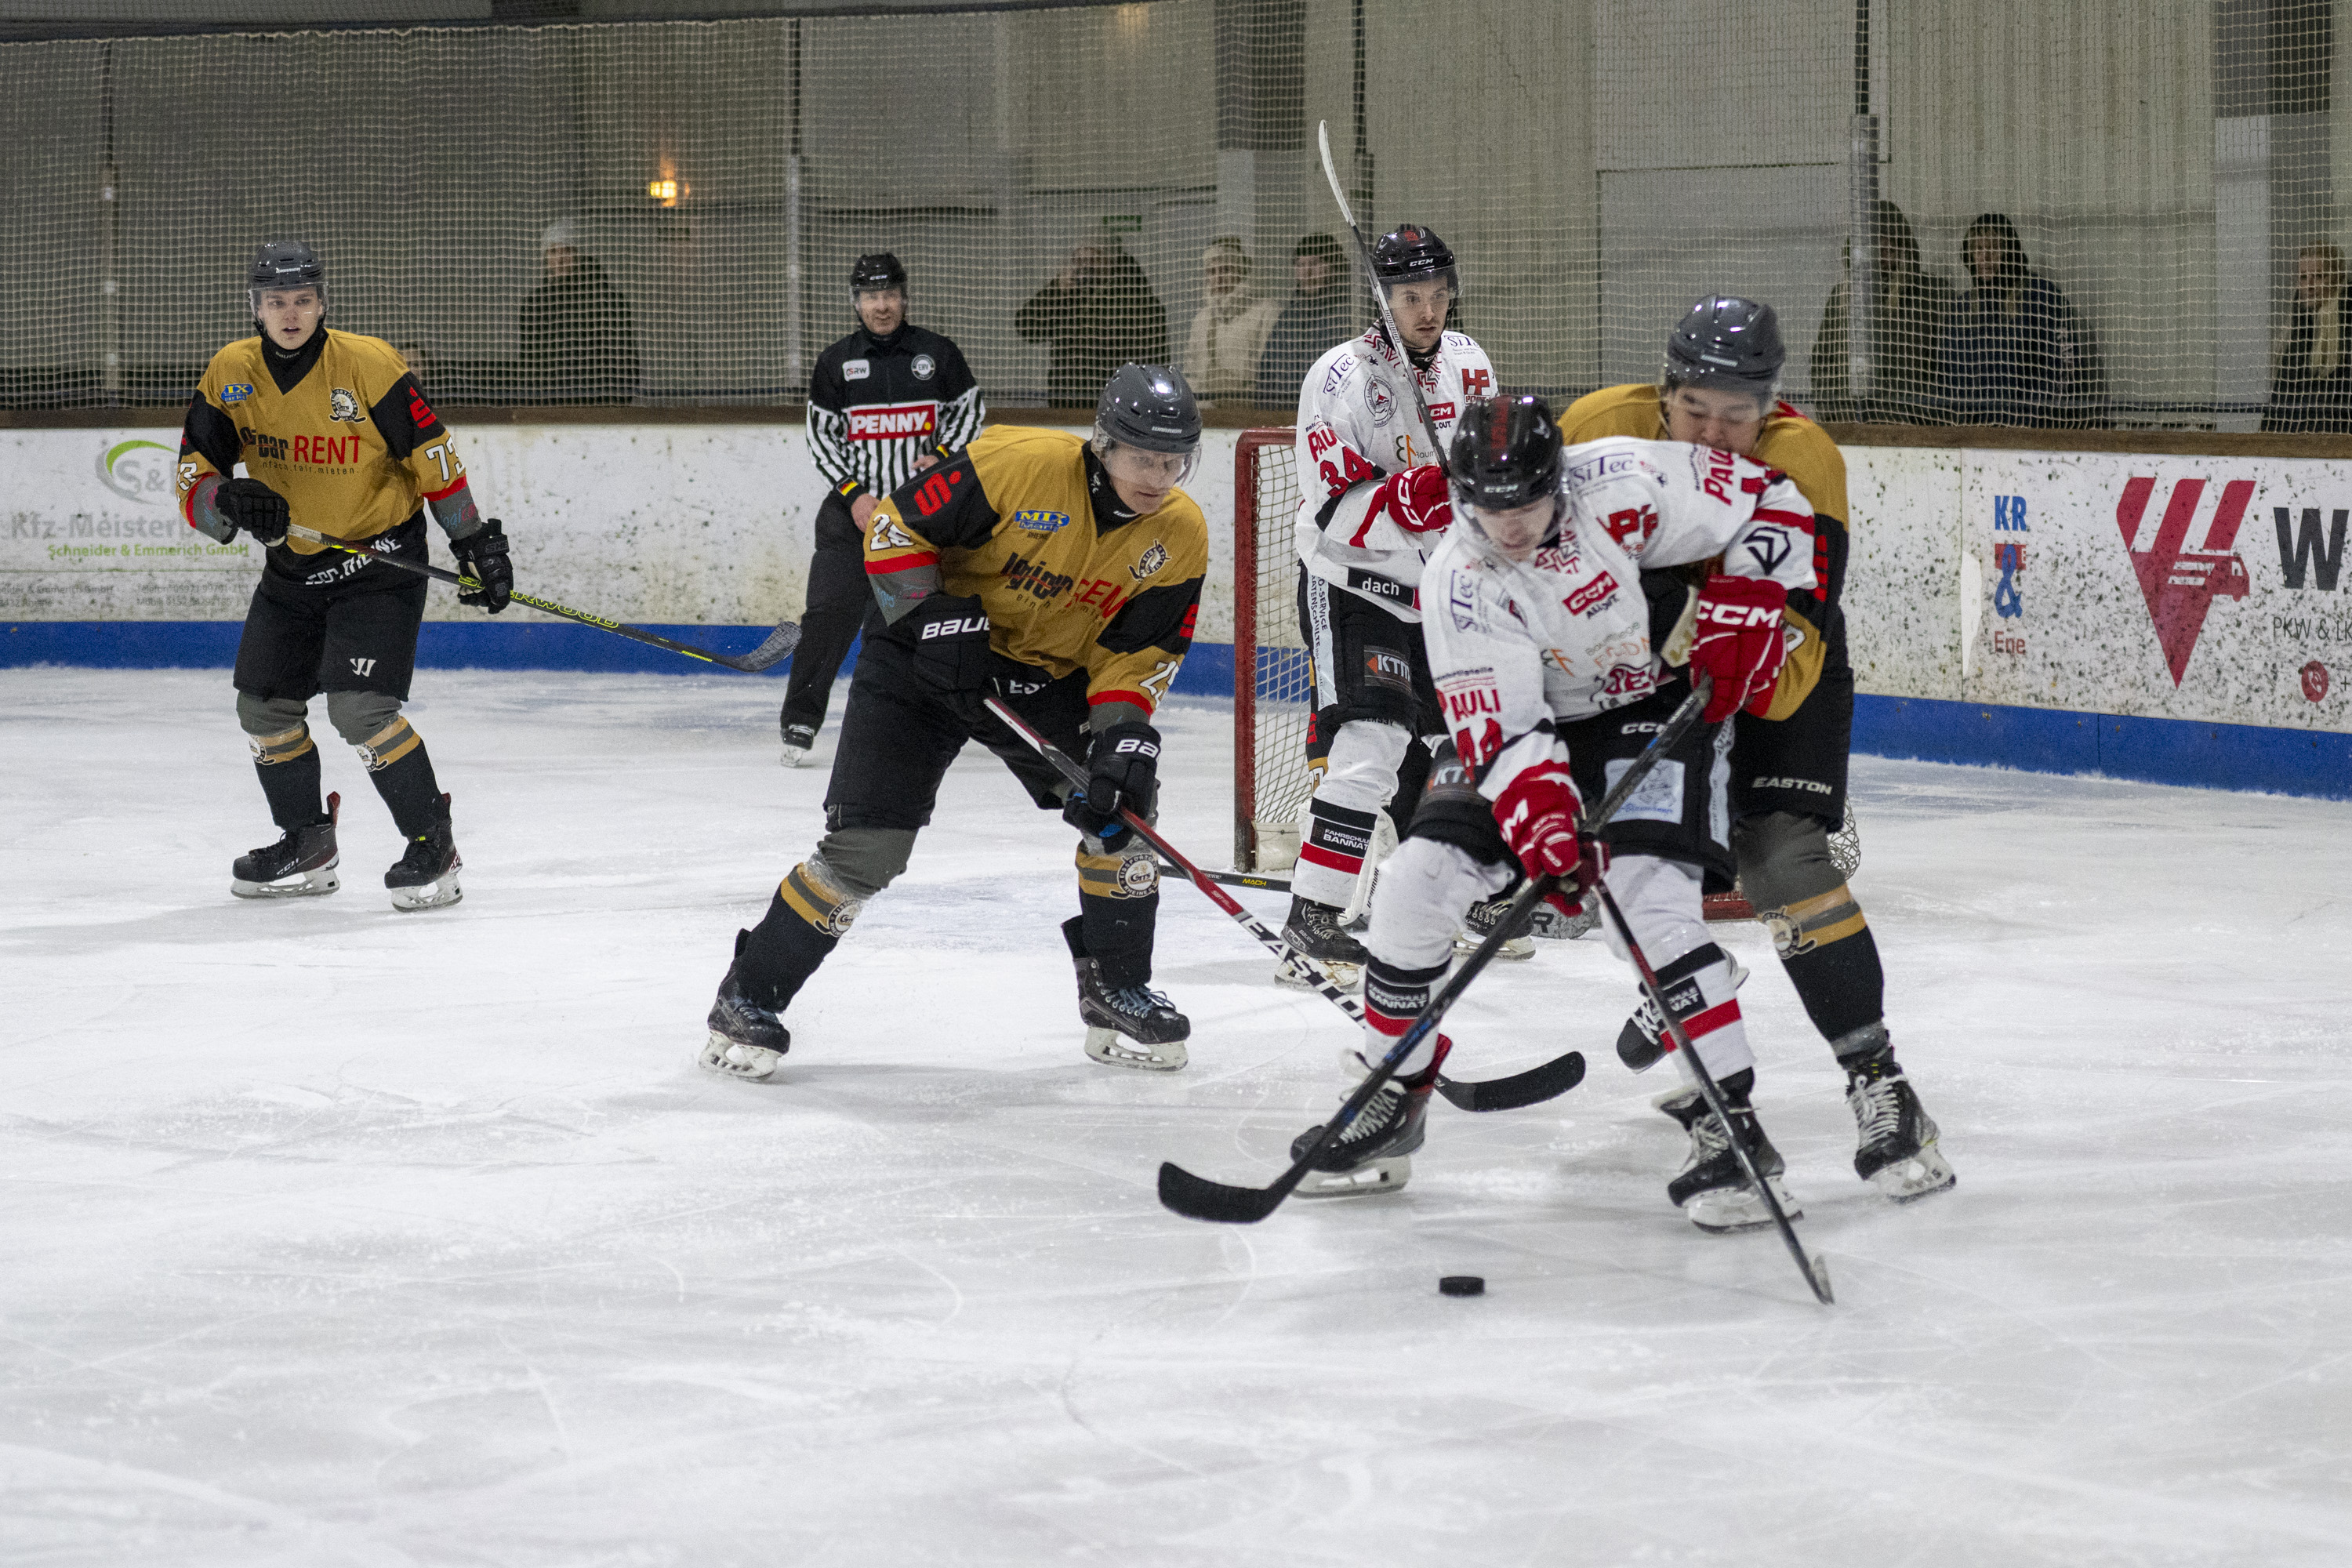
(778, 647)
(1532, 1087)
(1196, 1197)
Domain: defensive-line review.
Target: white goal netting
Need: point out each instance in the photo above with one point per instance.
(2151, 185)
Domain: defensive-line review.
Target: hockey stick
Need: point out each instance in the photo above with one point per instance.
(1230, 878)
(1379, 297)
(1532, 1087)
(778, 646)
(1816, 1271)
(1199, 1198)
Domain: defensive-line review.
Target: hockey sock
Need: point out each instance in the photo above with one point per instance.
(1832, 959)
(402, 774)
(287, 765)
(1331, 855)
(1116, 933)
(804, 924)
(1685, 983)
(1394, 998)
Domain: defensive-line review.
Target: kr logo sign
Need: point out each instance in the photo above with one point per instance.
(2180, 585)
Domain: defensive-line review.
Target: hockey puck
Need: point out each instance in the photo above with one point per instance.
(1461, 1285)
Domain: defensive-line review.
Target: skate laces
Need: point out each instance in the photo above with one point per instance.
(1140, 1001)
(1878, 1106)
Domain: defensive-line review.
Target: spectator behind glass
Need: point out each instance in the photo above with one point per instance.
(1910, 307)
(2311, 380)
(1320, 313)
(577, 345)
(2012, 350)
(1228, 336)
(1098, 313)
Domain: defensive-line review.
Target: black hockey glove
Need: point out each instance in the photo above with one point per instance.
(482, 555)
(950, 634)
(254, 507)
(1122, 770)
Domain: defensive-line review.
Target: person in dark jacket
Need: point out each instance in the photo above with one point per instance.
(1098, 313)
(577, 345)
(2311, 382)
(1909, 306)
(2012, 350)
(1322, 312)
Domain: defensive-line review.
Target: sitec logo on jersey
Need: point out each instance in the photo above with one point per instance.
(892, 422)
(2180, 585)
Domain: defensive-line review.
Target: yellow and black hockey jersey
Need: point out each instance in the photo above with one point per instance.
(351, 445)
(1066, 587)
(1796, 447)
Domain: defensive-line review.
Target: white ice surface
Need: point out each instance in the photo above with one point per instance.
(337, 1235)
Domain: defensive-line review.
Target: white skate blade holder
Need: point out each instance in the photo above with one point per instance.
(1346, 976)
(1114, 1049)
(737, 1059)
(1905, 1181)
(1367, 1179)
(296, 885)
(1724, 1210)
(441, 891)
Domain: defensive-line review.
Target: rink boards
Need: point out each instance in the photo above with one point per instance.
(2178, 618)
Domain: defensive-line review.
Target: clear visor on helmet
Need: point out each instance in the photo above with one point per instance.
(1424, 287)
(280, 298)
(1143, 468)
(1515, 532)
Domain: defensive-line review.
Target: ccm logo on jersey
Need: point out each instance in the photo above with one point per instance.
(1592, 596)
(888, 422)
(955, 629)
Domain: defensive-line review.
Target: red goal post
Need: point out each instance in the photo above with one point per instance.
(1274, 683)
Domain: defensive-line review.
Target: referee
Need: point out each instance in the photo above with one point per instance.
(886, 402)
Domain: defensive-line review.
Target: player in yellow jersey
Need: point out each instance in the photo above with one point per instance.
(1720, 388)
(1061, 575)
(334, 436)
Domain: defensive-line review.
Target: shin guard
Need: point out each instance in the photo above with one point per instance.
(402, 772)
(288, 766)
(1119, 910)
(1832, 959)
(805, 923)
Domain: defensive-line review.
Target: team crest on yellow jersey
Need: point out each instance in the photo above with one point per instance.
(1151, 561)
(343, 406)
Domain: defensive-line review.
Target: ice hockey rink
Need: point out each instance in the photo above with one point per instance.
(340, 1237)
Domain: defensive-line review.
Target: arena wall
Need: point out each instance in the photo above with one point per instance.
(2183, 618)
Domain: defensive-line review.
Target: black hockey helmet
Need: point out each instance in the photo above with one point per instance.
(283, 264)
(1728, 342)
(1505, 453)
(1150, 407)
(879, 270)
(1411, 254)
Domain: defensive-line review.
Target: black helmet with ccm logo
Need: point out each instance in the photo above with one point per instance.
(1505, 453)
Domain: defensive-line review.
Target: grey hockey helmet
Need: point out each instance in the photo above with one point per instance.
(1505, 453)
(1728, 342)
(1150, 408)
(283, 264)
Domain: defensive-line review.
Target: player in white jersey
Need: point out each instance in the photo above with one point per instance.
(1374, 505)
(1555, 674)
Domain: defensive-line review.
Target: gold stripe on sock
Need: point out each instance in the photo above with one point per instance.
(809, 896)
(388, 745)
(283, 747)
(1828, 916)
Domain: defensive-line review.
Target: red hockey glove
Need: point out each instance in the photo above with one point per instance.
(1737, 641)
(1538, 815)
(1416, 499)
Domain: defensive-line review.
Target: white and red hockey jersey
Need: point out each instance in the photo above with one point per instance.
(1566, 634)
(1356, 427)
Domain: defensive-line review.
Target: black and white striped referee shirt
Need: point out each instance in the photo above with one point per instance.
(877, 405)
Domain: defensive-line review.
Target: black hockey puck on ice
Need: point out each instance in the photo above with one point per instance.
(1461, 1285)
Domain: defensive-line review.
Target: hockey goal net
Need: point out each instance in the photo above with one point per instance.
(1274, 684)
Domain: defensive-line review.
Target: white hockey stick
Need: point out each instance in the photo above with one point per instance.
(1380, 298)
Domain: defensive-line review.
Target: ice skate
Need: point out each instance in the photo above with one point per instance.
(1316, 932)
(426, 875)
(746, 1040)
(1711, 1190)
(798, 740)
(1481, 918)
(1895, 1139)
(301, 865)
(1374, 1154)
(1134, 1026)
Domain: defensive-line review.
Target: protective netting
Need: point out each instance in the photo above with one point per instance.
(2145, 180)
